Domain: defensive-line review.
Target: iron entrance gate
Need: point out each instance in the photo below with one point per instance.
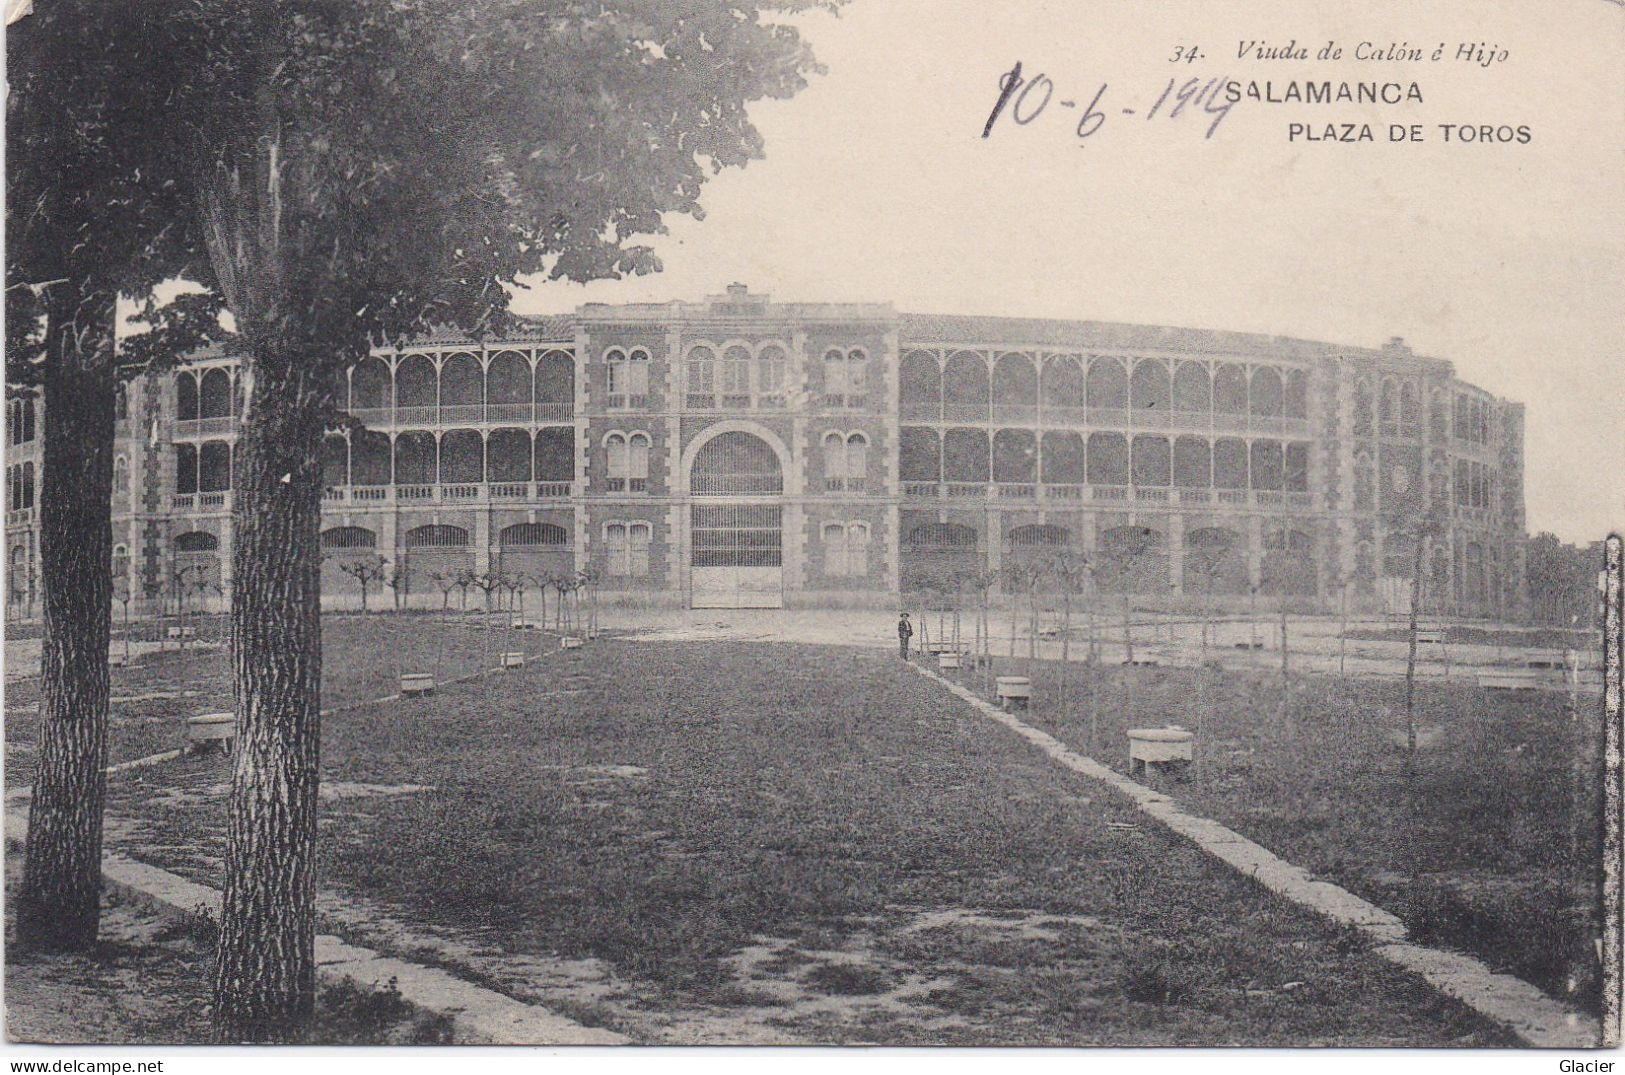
(738, 558)
(736, 541)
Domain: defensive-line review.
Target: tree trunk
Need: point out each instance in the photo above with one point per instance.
(265, 977)
(60, 900)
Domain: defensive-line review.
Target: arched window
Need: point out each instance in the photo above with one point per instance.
(1108, 459)
(1297, 467)
(555, 454)
(1193, 463)
(1289, 565)
(1410, 415)
(617, 463)
(965, 387)
(1149, 388)
(1364, 483)
(1061, 385)
(637, 463)
(437, 536)
(1108, 384)
(186, 397)
(462, 457)
(857, 462)
(834, 462)
(196, 541)
(415, 382)
(349, 537)
(626, 549)
(1388, 409)
(1039, 536)
(185, 469)
(533, 534)
(702, 387)
(1193, 389)
(965, 455)
(369, 385)
(772, 374)
(846, 549)
(335, 461)
(857, 378)
(214, 395)
(1015, 387)
(1362, 409)
(121, 475)
(1439, 417)
(1015, 457)
(214, 467)
(1061, 459)
(628, 378)
(555, 387)
(369, 458)
(508, 386)
(121, 403)
(1230, 389)
(734, 377)
(919, 456)
(508, 456)
(1152, 466)
(462, 388)
(1266, 465)
(1215, 562)
(415, 458)
(1297, 394)
(1229, 463)
(628, 462)
(1264, 395)
(920, 388)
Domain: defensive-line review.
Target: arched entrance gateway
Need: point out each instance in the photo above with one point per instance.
(736, 524)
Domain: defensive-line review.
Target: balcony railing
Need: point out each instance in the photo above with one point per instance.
(462, 493)
(1069, 493)
(464, 414)
(206, 427)
(19, 516)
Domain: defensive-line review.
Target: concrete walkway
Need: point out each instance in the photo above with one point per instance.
(1511, 1002)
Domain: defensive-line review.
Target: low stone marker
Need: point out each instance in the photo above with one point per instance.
(1549, 658)
(414, 684)
(1512, 679)
(180, 632)
(1430, 637)
(1013, 692)
(208, 728)
(1171, 746)
(948, 660)
(520, 623)
(513, 659)
(119, 659)
(569, 642)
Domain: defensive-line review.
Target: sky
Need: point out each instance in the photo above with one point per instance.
(1505, 259)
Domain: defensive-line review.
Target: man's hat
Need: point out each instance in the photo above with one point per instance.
(903, 614)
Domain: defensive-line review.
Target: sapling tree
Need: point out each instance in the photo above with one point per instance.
(366, 571)
(398, 577)
(445, 582)
(361, 173)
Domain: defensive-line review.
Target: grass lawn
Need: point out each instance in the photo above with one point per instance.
(363, 657)
(778, 842)
(1486, 847)
(147, 983)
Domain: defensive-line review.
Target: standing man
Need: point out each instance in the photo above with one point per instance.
(905, 631)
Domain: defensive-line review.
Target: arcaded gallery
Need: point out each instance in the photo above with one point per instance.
(741, 452)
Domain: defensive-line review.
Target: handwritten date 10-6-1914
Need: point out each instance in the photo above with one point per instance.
(1025, 99)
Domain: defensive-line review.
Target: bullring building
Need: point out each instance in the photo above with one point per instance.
(741, 452)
